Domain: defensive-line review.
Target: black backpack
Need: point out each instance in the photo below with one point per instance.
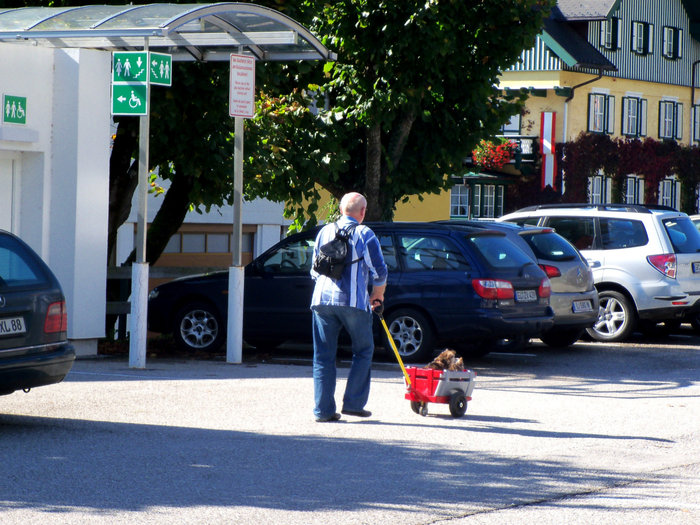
(333, 256)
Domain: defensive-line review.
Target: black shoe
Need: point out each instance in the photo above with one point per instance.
(358, 413)
(326, 419)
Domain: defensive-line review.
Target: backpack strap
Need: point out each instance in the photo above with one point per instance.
(349, 230)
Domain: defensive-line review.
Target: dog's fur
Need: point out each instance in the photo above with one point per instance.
(447, 360)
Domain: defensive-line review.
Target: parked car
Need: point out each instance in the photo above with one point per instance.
(33, 323)
(463, 287)
(645, 261)
(574, 297)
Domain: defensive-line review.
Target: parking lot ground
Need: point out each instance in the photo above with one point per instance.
(594, 434)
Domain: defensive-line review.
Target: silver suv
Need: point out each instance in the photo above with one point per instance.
(645, 261)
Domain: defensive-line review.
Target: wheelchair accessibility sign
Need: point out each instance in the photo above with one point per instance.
(14, 109)
(129, 99)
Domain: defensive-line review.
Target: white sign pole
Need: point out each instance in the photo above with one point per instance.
(139, 270)
(241, 105)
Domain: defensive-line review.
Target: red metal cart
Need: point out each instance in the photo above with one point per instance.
(439, 386)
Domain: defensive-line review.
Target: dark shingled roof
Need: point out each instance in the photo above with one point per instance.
(572, 48)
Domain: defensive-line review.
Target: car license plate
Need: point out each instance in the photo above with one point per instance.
(12, 326)
(696, 267)
(525, 296)
(582, 306)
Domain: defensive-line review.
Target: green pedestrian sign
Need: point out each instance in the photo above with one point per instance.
(129, 99)
(160, 69)
(14, 109)
(130, 66)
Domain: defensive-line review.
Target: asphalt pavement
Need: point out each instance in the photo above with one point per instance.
(596, 434)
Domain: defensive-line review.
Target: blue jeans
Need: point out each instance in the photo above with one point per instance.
(327, 322)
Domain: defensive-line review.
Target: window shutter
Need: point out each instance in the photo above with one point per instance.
(661, 120)
(618, 33)
(635, 26)
(603, 27)
(642, 117)
(610, 108)
(649, 39)
(679, 121)
(678, 44)
(591, 113)
(664, 43)
(623, 121)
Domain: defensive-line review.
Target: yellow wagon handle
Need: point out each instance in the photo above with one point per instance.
(379, 310)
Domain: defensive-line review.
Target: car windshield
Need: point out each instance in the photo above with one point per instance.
(498, 251)
(550, 246)
(18, 269)
(683, 234)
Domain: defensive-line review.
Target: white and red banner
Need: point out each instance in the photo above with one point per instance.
(549, 161)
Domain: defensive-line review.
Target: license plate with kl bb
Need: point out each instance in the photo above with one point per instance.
(12, 326)
(582, 306)
(696, 267)
(525, 296)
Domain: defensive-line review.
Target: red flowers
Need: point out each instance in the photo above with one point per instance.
(491, 156)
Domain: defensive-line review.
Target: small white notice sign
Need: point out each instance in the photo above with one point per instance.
(242, 86)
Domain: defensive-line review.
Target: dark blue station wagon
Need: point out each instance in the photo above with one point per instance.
(455, 286)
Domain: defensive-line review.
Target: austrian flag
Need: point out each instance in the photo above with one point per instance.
(549, 162)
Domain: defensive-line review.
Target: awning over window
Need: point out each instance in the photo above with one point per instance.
(205, 32)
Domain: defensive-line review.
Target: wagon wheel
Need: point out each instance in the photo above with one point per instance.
(415, 406)
(458, 404)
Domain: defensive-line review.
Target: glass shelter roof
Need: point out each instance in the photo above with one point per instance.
(206, 32)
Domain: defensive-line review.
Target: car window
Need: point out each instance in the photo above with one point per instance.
(684, 236)
(18, 267)
(431, 253)
(389, 252)
(499, 252)
(550, 246)
(526, 221)
(622, 233)
(579, 231)
(295, 257)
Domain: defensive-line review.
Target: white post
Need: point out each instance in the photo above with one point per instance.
(234, 338)
(139, 271)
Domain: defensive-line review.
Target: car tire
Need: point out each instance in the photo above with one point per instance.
(561, 338)
(616, 320)
(412, 334)
(198, 327)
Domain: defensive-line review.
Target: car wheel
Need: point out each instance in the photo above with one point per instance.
(616, 318)
(561, 338)
(198, 327)
(412, 334)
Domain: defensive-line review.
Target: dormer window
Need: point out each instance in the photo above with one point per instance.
(672, 43)
(642, 38)
(610, 31)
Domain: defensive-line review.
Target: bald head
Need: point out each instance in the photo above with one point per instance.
(354, 205)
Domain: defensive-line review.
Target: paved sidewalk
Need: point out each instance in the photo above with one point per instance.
(207, 442)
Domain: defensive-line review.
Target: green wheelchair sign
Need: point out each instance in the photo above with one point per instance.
(14, 109)
(129, 99)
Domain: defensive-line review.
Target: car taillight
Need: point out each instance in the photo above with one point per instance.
(493, 288)
(551, 271)
(56, 318)
(545, 289)
(665, 263)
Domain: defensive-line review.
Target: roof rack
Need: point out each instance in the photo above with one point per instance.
(638, 208)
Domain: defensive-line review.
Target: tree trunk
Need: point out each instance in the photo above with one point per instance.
(176, 204)
(373, 174)
(123, 179)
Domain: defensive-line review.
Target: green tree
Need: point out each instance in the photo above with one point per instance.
(411, 94)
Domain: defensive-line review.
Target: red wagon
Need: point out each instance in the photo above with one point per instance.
(439, 386)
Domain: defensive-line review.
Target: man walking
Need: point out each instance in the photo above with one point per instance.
(346, 303)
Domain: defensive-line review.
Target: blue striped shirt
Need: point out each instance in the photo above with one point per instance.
(352, 288)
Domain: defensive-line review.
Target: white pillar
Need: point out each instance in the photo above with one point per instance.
(139, 311)
(234, 337)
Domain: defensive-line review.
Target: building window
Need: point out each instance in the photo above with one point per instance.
(601, 113)
(597, 190)
(634, 117)
(500, 196)
(696, 123)
(489, 201)
(610, 31)
(672, 43)
(667, 195)
(670, 120)
(642, 38)
(512, 127)
(633, 190)
(459, 201)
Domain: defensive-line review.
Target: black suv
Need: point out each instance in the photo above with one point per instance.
(463, 287)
